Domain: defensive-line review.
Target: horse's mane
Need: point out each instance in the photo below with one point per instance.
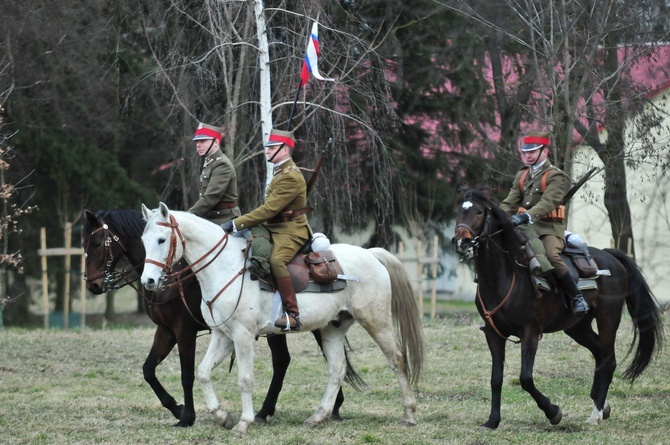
(125, 223)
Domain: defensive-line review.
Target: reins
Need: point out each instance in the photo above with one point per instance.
(110, 275)
(489, 314)
(113, 277)
(174, 227)
(486, 235)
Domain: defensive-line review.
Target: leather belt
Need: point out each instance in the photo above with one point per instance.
(224, 205)
(289, 215)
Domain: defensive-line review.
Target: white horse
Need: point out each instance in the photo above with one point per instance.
(238, 311)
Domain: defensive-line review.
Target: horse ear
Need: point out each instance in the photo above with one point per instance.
(146, 212)
(165, 212)
(92, 219)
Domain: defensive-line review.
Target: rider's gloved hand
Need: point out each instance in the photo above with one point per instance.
(521, 218)
(228, 227)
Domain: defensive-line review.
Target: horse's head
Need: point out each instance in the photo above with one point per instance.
(161, 245)
(473, 213)
(102, 251)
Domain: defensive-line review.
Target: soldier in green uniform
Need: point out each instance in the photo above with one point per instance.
(532, 197)
(283, 213)
(218, 181)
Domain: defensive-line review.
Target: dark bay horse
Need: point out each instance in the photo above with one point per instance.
(511, 306)
(112, 239)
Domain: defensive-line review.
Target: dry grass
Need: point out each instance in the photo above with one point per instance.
(72, 387)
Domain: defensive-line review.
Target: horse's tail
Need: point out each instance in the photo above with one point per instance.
(405, 314)
(646, 315)
(351, 376)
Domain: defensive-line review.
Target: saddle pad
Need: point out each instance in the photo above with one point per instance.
(587, 284)
(335, 286)
(583, 284)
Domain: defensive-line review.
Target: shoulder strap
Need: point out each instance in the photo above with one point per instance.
(543, 183)
(522, 178)
(544, 180)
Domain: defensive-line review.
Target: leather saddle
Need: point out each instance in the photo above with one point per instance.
(306, 272)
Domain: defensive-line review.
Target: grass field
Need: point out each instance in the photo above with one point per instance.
(86, 387)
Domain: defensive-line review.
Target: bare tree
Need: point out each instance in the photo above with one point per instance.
(238, 64)
(576, 77)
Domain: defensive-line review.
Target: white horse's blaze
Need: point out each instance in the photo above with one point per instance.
(467, 204)
(238, 313)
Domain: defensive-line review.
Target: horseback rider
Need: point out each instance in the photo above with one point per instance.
(534, 194)
(283, 213)
(218, 180)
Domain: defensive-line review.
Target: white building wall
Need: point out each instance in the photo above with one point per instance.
(648, 190)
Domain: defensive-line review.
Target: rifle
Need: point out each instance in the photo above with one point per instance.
(319, 163)
(570, 193)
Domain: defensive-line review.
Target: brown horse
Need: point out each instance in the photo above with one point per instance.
(509, 302)
(112, 239)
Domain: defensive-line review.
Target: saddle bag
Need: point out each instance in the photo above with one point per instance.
(323, 266)
(580, 257)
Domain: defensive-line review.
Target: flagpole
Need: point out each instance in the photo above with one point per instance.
(295, 102)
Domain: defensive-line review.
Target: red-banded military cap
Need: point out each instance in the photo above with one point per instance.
(535, 139)
(278, 137)
(205, 131)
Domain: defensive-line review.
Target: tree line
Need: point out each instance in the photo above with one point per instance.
(101, 99)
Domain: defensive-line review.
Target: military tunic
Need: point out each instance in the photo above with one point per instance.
(287, 191)
(538, 204)
(218, 185)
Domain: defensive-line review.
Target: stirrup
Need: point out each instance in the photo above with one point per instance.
(288, 327)
(579, 306)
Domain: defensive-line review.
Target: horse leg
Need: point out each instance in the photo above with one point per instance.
(496, 345)
(187, 346)
(339, 400)
(163, 343)
(245, 342)
(528, 352)
(605, 363)
(219, 348)
(385, 339)
(332, 345)
(281, 358)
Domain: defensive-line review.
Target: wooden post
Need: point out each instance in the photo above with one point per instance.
(83, 293)
(433, 295)
(45, 282)
(68, 266)
(419, 275)
(67, 251)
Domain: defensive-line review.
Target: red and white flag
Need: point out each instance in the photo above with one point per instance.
(309, 65)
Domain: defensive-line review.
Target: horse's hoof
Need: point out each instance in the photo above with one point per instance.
(335, 418)
(176, 411)
(411, 422)
(557, 418)
(607, 410)
(184, 424)
(241, 428)
(260, 419)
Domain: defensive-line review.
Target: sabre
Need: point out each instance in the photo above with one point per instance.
(312, 179)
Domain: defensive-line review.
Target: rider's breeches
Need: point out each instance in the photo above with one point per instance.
(554, 246)
(284, 248)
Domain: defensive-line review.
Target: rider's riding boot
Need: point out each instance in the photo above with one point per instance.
(291, 318)
(579, 305)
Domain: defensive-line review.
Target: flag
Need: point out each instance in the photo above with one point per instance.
(309, 65)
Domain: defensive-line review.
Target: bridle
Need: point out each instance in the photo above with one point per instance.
(476, 240)
(110, 276)
(485, 233)
(178, 277)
